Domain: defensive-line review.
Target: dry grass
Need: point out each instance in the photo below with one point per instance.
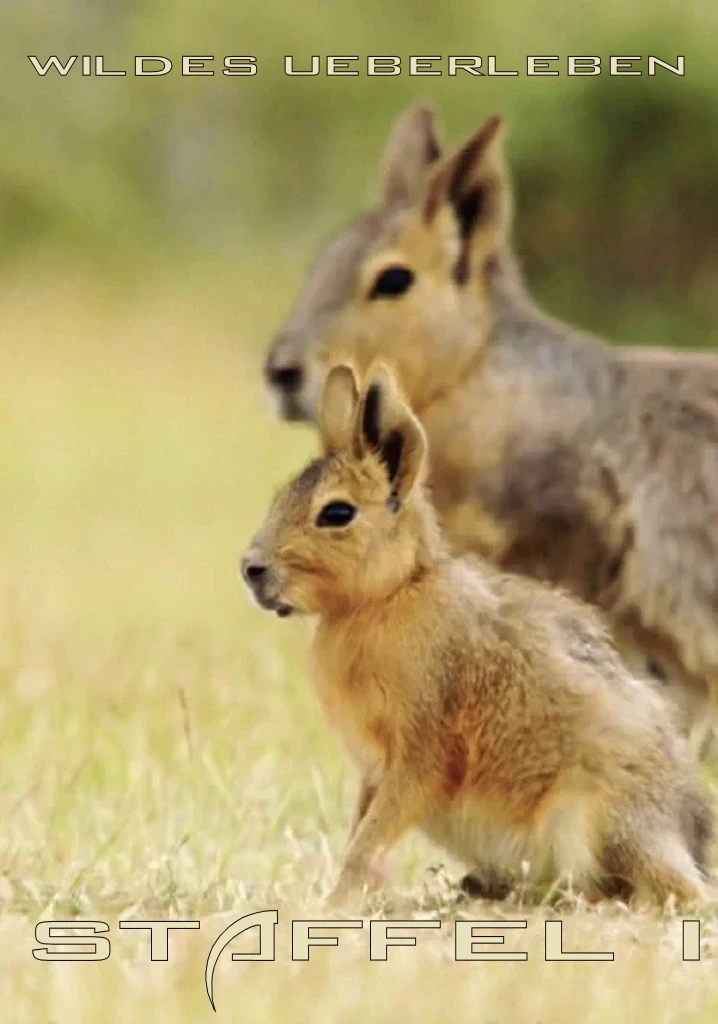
(162, 753)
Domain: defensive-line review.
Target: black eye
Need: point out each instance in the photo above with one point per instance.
(336, 513)
(392, 281)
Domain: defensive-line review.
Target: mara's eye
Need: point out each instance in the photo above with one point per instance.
(336, 513)
(392, 281)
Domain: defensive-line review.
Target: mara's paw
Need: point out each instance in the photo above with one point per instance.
(484, 887)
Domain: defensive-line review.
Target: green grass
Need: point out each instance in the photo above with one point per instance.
(162, 753)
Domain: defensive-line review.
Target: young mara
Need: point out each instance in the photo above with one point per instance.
(552, 453)
(484, 708)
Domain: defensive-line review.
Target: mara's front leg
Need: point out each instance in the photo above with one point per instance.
(367, 790)
(384, 812)
(377, 871)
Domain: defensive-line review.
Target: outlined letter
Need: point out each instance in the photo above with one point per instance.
(341, 66)
(290, 70)
(380, 940)
(422, 66)
(491, 61)
(159, 934)
(265, 920)
(302, 940)
(46, 935)
(140, 66)
(467, 937)
(470, 64)
(52, 62)
(679, 68)
(691, 940)
(383, 66)
(195, 66)
(240, 66)
(621, 66)
(539, 66)
(584, 65)
(554, 945)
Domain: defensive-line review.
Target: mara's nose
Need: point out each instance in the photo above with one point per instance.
(253, 570)
(287, 378)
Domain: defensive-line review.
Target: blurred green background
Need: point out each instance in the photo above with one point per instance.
(617, 213)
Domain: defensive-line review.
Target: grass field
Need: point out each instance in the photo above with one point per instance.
(163, 756)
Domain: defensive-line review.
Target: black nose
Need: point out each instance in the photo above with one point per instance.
(253, 571)
(288, 378)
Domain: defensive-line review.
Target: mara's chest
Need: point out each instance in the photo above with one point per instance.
(356, 701)
(469, 433)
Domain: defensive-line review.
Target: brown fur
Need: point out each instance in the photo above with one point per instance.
(487, 709)
(552, 453)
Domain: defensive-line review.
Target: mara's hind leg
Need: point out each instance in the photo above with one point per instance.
(653, 867)
(485, 884)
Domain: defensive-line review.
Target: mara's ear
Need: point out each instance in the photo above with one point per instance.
(386, 426)
(471, 185)
(412, 149)
(337, 413)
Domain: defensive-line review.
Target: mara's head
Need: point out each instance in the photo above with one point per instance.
(407, 282)
(355, 524)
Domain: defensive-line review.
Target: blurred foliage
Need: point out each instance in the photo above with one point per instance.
(617, 209)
